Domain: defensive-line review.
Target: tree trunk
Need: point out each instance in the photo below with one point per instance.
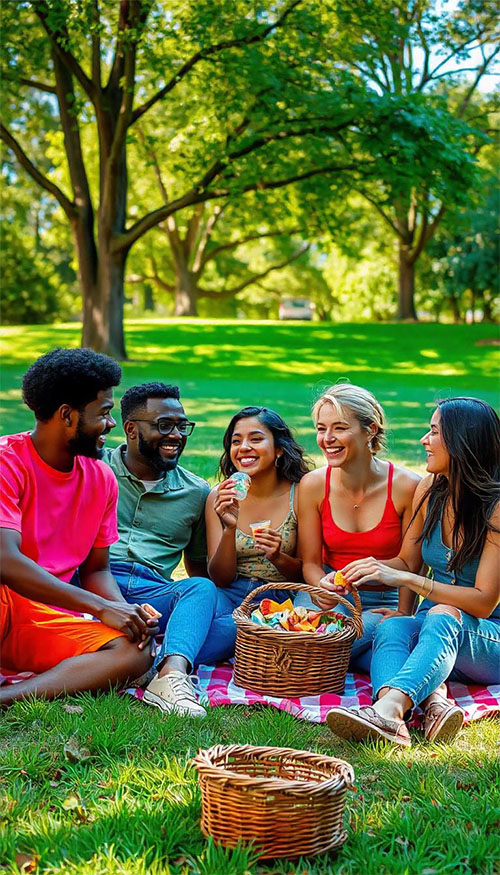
(406, 303)
(103, 306)
(457, 318)
(148, 301)
(186, 292)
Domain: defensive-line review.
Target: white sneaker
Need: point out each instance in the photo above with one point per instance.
(174, 692)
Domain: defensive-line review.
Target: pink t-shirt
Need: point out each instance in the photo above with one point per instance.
(60, 515)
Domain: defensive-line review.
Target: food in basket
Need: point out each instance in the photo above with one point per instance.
(286, 617)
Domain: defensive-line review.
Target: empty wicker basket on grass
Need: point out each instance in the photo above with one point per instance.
(286, 802)
(293, 664)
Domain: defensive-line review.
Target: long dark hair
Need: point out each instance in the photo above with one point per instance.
(470, 429)
(290, 466)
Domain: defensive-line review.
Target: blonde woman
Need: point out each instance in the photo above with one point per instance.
(358, 505)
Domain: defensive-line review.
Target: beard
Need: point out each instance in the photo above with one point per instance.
(154, 457)
(84, 444)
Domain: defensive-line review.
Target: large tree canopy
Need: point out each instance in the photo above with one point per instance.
(232, 98)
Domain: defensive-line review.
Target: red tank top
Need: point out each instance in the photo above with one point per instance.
(341, 547)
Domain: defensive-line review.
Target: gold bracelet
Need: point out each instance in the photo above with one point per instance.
(424, 587)
(431, 586)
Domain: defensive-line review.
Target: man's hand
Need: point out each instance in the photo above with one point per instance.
(148, 640)
(131, 619)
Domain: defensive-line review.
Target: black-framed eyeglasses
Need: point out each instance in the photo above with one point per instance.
(167, 426)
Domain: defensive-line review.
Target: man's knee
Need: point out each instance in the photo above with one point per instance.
(447, 609)
(202, 586)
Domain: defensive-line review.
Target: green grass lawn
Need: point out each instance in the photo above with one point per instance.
(131, 805)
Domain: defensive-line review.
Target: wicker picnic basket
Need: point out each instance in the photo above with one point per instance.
(293, 664)
(287, 802)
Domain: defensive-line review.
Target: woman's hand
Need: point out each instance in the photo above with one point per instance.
(269, 541)
(226, 505)
(369, 570)
(388, 613)
(326, 602)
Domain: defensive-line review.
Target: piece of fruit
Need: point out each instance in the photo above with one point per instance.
(339, 579)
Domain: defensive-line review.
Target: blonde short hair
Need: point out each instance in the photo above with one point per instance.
(363, 404)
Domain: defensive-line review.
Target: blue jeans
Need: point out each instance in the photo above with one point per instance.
(187, 606)
(416, 654)
(219, 644)
(361, 654)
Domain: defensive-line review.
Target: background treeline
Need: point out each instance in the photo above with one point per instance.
(209, 158)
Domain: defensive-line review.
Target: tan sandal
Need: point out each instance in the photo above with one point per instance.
(442, 720)
(360, 723)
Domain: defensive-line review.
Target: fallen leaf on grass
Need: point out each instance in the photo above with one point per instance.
(27, 862)
(74, 803)
(72, 709)
(75, 752)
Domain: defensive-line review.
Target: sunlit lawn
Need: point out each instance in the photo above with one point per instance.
(133, 806)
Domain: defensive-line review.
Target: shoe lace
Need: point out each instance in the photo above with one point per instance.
(182, 687)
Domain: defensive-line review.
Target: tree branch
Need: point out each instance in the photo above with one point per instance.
(198, 263)
(202, 54)
(227, 293)
(96, 45)
(480, 73)
(195, 196)
(381, 211)
(34, 83)
(40, 178)
(226, 246)
(41, 10)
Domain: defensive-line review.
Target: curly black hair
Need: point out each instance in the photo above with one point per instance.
(136, 397)
(291, 465)
(67, 376)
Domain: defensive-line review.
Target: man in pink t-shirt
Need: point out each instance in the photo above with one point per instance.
(58, 516)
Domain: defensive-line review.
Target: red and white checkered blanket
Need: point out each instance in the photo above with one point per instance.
(215, 686)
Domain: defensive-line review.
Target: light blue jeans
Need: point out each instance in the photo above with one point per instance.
(187, 606)
(416, 654)
(361, 654)
(219, 644)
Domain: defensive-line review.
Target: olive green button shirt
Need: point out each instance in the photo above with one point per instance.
(156, 526)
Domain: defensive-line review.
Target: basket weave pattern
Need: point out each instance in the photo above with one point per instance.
(286, 802)
(290, 664)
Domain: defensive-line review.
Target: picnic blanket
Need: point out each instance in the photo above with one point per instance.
(216, 687)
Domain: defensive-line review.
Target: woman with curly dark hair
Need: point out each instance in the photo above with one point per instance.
(455, 632)
(241, 555)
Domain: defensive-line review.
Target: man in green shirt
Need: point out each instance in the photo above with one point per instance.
(161, 516)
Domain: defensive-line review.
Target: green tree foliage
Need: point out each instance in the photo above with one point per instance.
(38, 282)
(426, 61)
(461, 270)
(312, 98)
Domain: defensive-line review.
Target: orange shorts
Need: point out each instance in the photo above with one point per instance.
(34, 637)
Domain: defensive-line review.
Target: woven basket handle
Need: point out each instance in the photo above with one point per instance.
(313, 590)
